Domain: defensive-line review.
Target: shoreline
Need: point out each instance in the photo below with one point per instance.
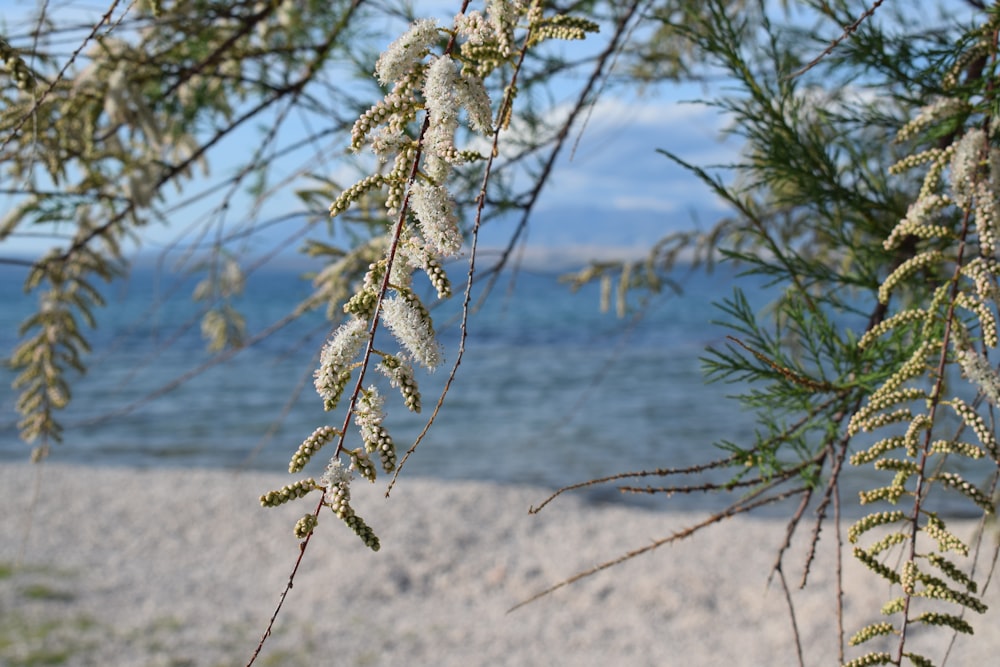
(183, 566)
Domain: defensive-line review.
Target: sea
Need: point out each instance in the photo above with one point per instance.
(551, 390)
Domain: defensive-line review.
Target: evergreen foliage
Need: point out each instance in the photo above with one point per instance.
(866, 190)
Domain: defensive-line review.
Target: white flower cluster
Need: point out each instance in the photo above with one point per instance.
(436, 84)
(918, 221)
(941, 108)
(978, 370)
(336, 358)
(965, 162)
(438, 224)
(419, 256)
(310, 446)
(14, 65)
(447, 88)
(983, 274)
(503, 14)
(412, 328)
(442, 114)
(474, 27)
(337, 482)
(410, 48)
(369, 411)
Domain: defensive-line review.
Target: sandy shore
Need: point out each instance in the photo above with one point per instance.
(112, 566)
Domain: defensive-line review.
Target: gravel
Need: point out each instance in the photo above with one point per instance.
(118, 566)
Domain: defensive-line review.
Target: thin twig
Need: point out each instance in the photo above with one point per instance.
(848, 31)
(793, 523)
(369, 349)
(581, 104)
(467, 296)
(284, 593)
(661, 472)
(105, 19)
(925, 449)
(830, 492)
(740, 507)
(839, 551)
(791, 614)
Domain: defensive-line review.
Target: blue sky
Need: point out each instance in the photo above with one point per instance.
(617, 191)
(613, 194)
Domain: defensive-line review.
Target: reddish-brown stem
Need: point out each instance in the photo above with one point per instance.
(936, 396)
(925, 449)
(467, 296)
(284, 593)
(373, 328)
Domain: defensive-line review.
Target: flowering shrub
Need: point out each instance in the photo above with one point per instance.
(414, 129)
(886, 319)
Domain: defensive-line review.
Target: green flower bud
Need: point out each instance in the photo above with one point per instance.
(288, 492)
(305, 525)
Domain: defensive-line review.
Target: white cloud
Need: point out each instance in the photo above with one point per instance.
(615, 113)
(616, 165)
(640, 203)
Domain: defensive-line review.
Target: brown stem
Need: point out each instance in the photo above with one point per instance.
(925, 450)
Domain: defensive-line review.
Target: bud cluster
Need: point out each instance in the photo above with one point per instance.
(415, 162)
(400, 374)
(336, 360)
(310, 446)
(16, 67)
(288, 492)
(368, 415)
(305, 525)
(337, 495)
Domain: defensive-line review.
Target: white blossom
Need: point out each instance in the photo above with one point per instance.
(964, 162)
(338, 353)
(502, 14)
(388, 142)
(369, 410)
(337, 480)
(368, 415)
(474, 27)
(473, 96)
(335, 474)
(412, 329)
(406, 51)
(417, 255)
(920, 211)
(995, 172)
(400, 373)
(980, 372)
(435, 168)
(442, 108)
(116, 97)
(401, 271)
(939, 109)
(438, 224)
(987, 216)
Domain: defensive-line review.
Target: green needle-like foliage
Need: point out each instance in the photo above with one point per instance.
(864, 199)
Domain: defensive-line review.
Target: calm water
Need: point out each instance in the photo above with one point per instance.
(550, 391)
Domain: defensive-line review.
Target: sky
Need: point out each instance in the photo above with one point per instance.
(616, 191)
(613, 193)
(612, 196)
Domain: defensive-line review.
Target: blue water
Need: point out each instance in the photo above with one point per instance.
(551, 391)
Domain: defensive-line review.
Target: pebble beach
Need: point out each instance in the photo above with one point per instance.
(121, 566)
